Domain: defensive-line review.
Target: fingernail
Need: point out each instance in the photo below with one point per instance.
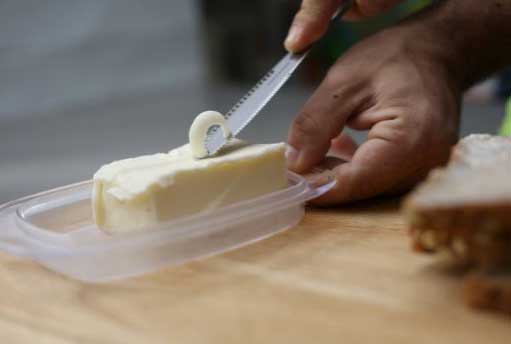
(321, 179)
(291, 155)
(292, 37)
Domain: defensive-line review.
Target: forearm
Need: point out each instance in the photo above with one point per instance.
(471, 38)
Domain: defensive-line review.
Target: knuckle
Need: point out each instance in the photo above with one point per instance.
(370, 8)
(342, 77)
(348, 189)
(305, 16)
(335, 84)
(422, 141)
(340, 89)
(332, 82)
(306, 125)
(314, 10)
(406, 132)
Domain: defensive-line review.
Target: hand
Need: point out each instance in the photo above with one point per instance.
(313, 18)
(392, 86)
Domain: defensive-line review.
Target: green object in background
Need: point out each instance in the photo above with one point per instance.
(506, 126)
(345, 34)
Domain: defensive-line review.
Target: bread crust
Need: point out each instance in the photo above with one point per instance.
(491, 291)
(465, 208)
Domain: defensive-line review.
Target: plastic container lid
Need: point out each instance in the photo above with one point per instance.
(56, 229)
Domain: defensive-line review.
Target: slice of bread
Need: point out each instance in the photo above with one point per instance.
(465, 207)
(466, 211)
(489, 290)
(480, 150)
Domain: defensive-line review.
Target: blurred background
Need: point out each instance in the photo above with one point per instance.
(83, 83)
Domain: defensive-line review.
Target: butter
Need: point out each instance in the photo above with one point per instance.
(135, 193)
(199, 130)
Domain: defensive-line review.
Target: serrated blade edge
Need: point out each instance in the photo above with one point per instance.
(254, 100)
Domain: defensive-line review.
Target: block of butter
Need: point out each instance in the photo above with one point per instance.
(133, 194)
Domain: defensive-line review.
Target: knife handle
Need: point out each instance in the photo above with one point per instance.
(345, 7)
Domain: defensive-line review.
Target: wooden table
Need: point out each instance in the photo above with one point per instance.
(342, 276)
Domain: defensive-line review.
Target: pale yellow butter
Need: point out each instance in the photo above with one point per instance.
(199, 130)
(133, 194)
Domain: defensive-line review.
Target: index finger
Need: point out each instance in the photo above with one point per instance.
(364, 9)
(310, 23)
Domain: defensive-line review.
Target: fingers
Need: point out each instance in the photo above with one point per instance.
(342, 147)
(369, 8)
(310, 23)
(376, 168)
(323, 117)
(312, 20)
(396, 155)
(341, 151)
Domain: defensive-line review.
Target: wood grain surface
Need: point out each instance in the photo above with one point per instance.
(342, 276)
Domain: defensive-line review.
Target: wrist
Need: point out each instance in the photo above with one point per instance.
(429, 42)
(468, 38)
(433, 55)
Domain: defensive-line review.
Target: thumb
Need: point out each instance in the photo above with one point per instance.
(378, 166)
(369, 8)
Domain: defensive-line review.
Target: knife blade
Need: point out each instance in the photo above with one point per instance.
(255, 100)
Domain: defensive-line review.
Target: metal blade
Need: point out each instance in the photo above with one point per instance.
(252, 102)
(255, 100)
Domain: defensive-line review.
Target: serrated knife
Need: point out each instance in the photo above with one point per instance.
(254, 101)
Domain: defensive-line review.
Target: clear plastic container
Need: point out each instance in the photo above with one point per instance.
(55, 228)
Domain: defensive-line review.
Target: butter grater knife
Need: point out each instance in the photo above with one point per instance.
(255, 100)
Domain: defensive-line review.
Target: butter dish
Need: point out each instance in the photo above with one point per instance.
(56, 229)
